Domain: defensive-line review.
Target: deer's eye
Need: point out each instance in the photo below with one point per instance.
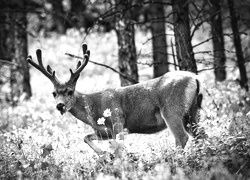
(54, 94)
(70, 93)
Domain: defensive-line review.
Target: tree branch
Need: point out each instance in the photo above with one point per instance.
(153, 63)
(8, 62)
(106, 66)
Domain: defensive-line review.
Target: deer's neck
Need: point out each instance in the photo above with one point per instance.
(81, 109)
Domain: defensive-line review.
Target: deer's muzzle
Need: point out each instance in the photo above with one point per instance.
(61, 107)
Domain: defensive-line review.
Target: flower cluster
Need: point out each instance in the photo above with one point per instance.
(106, 113)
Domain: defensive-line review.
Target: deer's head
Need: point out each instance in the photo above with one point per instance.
(64, 93)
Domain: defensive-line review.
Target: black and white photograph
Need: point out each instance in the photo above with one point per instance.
(124, 90)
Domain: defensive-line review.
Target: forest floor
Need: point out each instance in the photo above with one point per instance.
(36, 142)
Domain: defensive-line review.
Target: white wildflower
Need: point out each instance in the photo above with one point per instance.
(107, 113)
(101, 121)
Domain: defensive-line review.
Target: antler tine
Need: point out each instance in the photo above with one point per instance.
(80, 66)
(48, 73)
(88, 53)
(84, 48)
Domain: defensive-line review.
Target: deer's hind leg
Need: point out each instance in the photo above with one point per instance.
(173, 120)
(191, 120)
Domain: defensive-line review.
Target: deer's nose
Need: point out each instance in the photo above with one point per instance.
(60, 106)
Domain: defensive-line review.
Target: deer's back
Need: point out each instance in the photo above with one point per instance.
(139, 105)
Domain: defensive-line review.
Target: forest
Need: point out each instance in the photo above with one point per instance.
(130, 42)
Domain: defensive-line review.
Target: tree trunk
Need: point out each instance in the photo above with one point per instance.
(77, 14)
(126, 42)
(15, 49)
(237, 45)
(159, 43)
(218, 41)
(184, 49)
(4, 30)
(60, 24)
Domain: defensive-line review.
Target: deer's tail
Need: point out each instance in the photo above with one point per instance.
(199, 93)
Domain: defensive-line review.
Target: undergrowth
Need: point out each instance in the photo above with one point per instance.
(38, 143)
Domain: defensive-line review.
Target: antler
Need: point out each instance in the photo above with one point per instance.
(80, 66)
(49, 73)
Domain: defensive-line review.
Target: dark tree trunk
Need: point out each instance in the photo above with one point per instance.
(5, 29)
(15, 48)
(218, 41)
(126, 42)
(20, 50)
(78, 15)
(60, 24)
(184, 49)
(237, 45)
(158, 31)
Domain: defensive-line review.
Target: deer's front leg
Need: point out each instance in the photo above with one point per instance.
(89, 140)
(102, 133)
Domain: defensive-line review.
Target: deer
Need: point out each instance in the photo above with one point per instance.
(172, 100)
